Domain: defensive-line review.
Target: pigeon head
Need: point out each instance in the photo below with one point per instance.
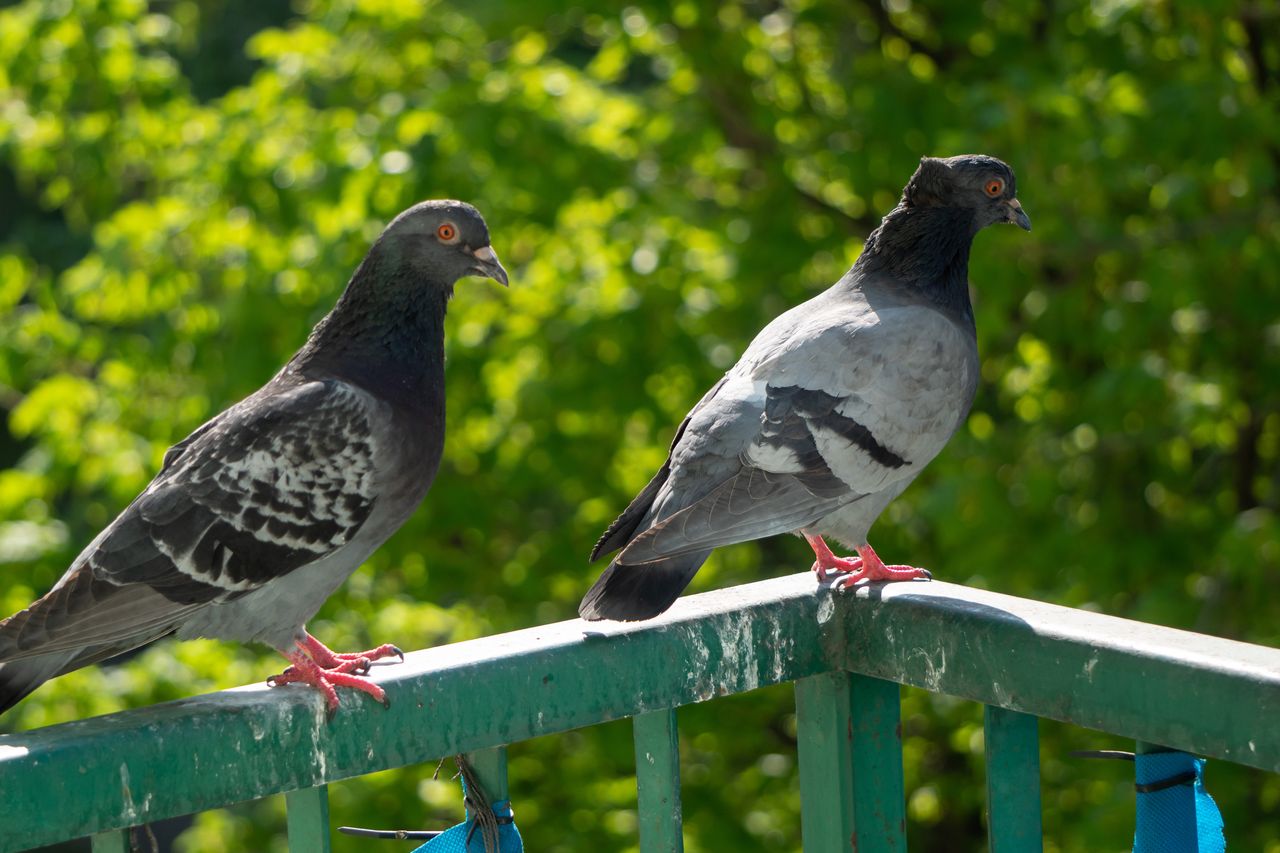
(386, 333)
(972, 182)
(442, 241)
(923, 243)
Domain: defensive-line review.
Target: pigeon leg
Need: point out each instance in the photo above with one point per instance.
(329, 659)
(827, 560)
(873, 569)
(326, 679)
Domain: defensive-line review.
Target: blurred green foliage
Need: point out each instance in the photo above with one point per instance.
(186, 187)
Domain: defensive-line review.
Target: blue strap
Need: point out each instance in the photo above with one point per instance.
(1181, 818)
(466, 837)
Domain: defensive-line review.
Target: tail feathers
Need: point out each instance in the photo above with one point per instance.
(628, 593)
(624, 528)
(20, 677)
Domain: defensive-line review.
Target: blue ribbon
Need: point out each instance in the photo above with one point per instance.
(1181, 818)
(468, 837)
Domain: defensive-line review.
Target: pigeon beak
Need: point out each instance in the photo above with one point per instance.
(488, 265)
(1017, 215)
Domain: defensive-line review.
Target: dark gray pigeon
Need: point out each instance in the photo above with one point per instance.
(831, 412)
(261, 513)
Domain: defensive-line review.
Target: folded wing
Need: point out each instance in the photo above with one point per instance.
(274, 483)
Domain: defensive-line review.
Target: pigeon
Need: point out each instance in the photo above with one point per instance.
(831, 412)
(260, 514)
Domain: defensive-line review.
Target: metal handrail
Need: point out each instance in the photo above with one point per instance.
(1024, 659)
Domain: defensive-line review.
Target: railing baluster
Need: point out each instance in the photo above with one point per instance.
(490, 766)
(115, 841)
(658, 781)
(879, 805)
(824, 738)
(1013, 781)
(824, 743)
(307, 812)
(850, 746)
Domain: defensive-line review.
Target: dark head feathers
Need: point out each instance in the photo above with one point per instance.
(923, 243)
(386, 333)
(444, 239)
(976, 182)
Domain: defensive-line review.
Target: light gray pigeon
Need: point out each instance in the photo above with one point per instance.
(261, 513)
(832, 411)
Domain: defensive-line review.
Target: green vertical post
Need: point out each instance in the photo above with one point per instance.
(1013, 781)
(850, 745)
(658, 781)
(490, 767)
(308, 819)
(879, 806)
(115, 841)
(824, 742)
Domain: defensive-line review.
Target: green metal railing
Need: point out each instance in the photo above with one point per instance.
(1023, 659)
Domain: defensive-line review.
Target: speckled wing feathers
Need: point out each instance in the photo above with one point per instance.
(278, 482)
(274, 483)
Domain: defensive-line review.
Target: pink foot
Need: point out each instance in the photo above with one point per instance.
(866, 566)
(316, 665)
(328, 659)
(874, 569)
(828, 561)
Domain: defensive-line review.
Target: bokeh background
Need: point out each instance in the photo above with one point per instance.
(185, 188)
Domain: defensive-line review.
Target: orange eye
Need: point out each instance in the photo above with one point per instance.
(994, 187)
(447, 232)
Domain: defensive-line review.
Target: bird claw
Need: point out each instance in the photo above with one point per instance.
(329, 659)
(885, 573)
(837, 566)
(358, 666)
(828, 563)
(386, 650)
(318, 666)
(355, 666)
(852, 570)
(346, 674)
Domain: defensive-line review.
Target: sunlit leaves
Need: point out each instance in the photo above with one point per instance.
(661, 179)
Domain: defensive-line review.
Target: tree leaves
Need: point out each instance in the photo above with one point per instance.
(188, 188)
